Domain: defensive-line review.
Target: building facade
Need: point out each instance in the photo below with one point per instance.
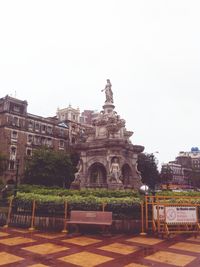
(185, 170)
(22, 132)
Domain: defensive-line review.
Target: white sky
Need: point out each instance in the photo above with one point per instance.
(53, 53)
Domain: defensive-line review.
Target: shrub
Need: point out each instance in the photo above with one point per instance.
(48, 205)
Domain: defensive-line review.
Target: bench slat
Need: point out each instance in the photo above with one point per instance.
(84, 222)
(91, 217)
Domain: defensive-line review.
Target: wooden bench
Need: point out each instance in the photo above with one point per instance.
(102, 218)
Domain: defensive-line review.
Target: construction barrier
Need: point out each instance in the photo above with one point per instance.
(166, 215)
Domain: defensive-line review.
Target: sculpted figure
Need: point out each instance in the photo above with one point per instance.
(108, 92)
(115, 171)
(77, 174)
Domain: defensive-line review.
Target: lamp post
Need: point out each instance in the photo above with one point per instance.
(16, 177)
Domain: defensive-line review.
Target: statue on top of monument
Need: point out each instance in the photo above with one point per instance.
(108, 92)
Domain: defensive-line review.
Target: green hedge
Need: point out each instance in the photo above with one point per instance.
(48, 205)
(182, 193)
(57, 191)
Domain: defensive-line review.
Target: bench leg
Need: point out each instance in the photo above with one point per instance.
(76, 228)
(105, 230)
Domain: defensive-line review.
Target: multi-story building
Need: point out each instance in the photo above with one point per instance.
(22, 132)
(173, 173)
(185, 170)
(76, 123)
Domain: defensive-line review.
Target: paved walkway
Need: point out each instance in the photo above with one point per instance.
(21, 248)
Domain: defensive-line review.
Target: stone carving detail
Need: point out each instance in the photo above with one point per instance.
(78, 176)
(108, 139)
(128, 134)
(115, 172)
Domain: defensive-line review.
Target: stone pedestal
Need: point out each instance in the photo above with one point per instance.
(115, 186)
(75, 186)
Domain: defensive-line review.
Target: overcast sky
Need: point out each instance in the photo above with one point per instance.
(56, 53)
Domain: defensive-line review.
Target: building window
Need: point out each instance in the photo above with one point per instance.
(61, 143)
(30, 138)
(12, 165)
(62, 132)
(16, 108)
(30, 125)
(49, 142)
(43, 128)
(37, 140)
(43, 141)
(15, 121)
(49, 130)
(14, 135)
(13, 151)
(29, 152)
(37, 127)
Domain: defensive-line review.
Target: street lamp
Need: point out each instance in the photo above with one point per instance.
(16, 177)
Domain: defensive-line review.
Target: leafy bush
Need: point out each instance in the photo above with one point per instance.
(182, 193)
(56, 191)
(50, 205)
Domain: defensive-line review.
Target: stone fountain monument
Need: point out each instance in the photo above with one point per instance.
(108, 159)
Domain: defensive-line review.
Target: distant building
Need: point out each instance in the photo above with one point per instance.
(68, 114)
(185, 169)
(174, 174)
(22, 132)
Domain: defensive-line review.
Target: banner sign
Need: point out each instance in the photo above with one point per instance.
(182, 214)
(159, 212)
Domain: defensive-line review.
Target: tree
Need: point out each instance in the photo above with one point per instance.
(166, 174)
(147, 165)
(49, 168)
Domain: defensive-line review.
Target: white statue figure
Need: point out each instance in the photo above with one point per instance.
(77, 174)
(115, 171)
(108, 92)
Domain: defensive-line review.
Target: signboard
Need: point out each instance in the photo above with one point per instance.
(159, 212)
(182, 214)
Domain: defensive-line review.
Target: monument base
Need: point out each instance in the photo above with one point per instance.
(115, 186)
(75, 186)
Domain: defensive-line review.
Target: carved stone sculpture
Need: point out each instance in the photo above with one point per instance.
(115, 172)
(108, 92)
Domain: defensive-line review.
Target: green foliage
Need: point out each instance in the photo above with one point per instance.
(166, 174)
(52, 205)
(182, 193)
(149, 171)
(84, 192)
(49, 168)
(179, 197)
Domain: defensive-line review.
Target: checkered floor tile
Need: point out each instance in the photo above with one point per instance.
(37, 249)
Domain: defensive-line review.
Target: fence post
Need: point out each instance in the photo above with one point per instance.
(146, 211)
(65, 218)
(142, 218)
(9, 213)
(32, 218)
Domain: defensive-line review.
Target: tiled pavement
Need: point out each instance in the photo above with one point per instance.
(22, 248)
